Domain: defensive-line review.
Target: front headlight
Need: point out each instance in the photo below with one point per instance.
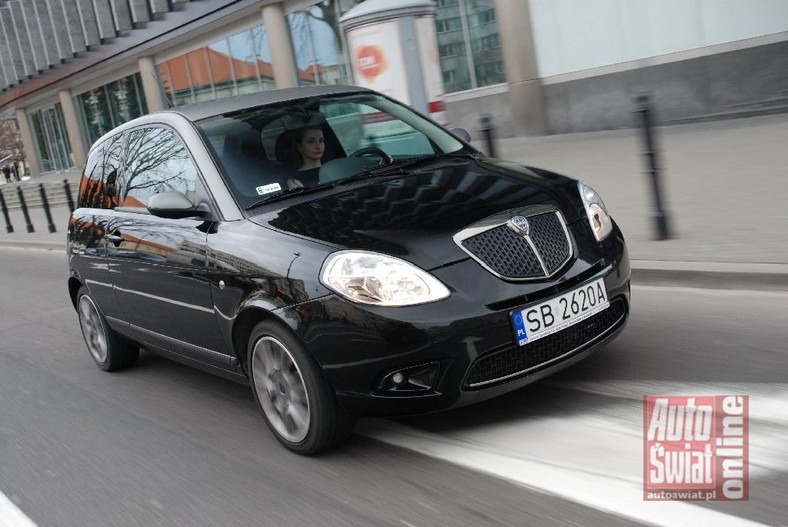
(596, 212)
(372, 278)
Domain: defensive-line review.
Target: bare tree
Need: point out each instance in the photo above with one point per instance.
(330, 11)
(11, 149)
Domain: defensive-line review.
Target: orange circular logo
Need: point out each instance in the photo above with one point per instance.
(370, 61)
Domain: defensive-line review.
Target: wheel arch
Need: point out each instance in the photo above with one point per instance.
(242, 328)
(73, 288)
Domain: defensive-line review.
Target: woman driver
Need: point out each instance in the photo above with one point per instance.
(310, 146)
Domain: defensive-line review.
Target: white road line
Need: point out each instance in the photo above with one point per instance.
(606, 471)
(11, 516)
(615, 495)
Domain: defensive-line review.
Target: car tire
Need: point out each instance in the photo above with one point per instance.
(110, 351)
(297, 403)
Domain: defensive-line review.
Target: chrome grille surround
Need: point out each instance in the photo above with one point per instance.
(539, 252)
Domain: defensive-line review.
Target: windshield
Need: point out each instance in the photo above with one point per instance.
(270, 151)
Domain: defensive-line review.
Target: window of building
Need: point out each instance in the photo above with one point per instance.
(238, 64)
(448, 24)
(450, 50)
(105, 107)
(51, 137)
(317, 44)
(485, 17)
(469, 56)
(486, 42)
(157, 161)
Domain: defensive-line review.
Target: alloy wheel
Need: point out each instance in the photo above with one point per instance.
(280, 389)
(93, 329)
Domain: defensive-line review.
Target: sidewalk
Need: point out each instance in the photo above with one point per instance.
(724, 188)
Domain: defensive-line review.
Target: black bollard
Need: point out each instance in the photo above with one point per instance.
(22, 204)
(45, 204)
(486, 130)
(643, 107)
(8, 227)
(67, 192)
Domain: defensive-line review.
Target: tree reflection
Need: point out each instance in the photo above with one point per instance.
(158, 162)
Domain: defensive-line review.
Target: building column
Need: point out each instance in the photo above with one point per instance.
(522, 74)
(150, 84)
(78, 149)
(31, 152)
(278, 35)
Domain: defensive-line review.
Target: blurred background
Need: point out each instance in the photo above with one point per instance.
(550, 83)
(72, 70)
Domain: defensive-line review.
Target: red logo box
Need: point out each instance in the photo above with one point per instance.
(696, 448)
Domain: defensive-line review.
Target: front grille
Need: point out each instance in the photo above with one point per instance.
(518, 360)
(550, 240)
(517, 257)
(505, 253)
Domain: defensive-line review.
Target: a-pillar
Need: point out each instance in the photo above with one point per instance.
(278, 34)
(78, 149)
(150, 84)
(27, 142)
(522, 75)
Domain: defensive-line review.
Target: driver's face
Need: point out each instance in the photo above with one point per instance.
(312, 145)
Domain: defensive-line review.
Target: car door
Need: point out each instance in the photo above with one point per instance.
(88, 224)
(158, 265)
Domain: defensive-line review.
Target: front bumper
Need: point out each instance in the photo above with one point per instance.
(357, 346)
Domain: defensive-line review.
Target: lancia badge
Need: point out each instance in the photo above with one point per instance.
(519, 225)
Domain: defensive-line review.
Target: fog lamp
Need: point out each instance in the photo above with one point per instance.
(420, 378)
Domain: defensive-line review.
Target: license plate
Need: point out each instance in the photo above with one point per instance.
(560, 312)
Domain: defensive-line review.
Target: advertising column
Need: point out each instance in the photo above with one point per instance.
(393, 49)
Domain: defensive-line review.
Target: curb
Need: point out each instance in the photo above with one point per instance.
(711, 275)
(41, 245)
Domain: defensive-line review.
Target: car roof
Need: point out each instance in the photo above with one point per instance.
(202, 110)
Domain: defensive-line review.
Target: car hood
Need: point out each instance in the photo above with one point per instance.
(414, 216)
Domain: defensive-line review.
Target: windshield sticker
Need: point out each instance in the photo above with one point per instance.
(267, 189)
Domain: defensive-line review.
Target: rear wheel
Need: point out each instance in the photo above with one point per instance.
(298, 405)
(110, 351)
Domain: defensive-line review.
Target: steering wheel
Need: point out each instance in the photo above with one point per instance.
(385, 158)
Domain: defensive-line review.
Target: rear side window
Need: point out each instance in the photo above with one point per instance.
(98, 186)
(158, 161)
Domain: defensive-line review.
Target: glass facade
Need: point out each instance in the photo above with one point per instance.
(231, 66)
(468, 44)
(52, 142)
(105, 107)
(318, 46)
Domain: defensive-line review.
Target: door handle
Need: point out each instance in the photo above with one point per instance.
(115, 238)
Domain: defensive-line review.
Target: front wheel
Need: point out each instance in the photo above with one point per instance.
(109, 350)
(298, 405)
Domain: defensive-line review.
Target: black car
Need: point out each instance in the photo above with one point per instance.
(343, 254)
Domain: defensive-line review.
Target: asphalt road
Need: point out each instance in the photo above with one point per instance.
(163, 444)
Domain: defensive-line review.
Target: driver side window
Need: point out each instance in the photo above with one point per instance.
(157, 161)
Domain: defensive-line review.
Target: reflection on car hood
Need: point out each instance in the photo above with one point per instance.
(414, 216)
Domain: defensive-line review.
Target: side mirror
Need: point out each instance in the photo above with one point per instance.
(462, 133)
(174, 205)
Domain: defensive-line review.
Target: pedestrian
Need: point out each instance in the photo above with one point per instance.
(7, 173)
